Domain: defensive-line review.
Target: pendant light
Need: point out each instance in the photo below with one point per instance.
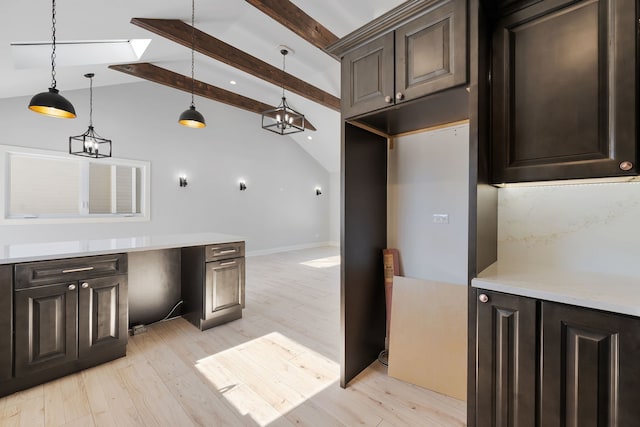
(192, 118)
(90, 144)
(283, 119)
(51, 103)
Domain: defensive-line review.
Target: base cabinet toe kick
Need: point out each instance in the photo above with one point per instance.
(61, 316)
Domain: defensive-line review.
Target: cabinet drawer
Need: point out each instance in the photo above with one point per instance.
(40, 273)
(224, 251)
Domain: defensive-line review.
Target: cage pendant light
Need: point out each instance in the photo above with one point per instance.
(191, 117)
(51, 103)
(283, 119)
(90, 144)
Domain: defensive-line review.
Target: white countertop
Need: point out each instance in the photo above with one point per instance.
(25, 252)
(618, 294)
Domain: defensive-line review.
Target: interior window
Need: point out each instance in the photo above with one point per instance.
(48, 185)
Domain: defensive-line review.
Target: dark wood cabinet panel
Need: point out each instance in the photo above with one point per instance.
(224, 285)
(590, 374)
(103, 320)
(431, 52)
(364, 236)
(368, 77)
(564, 91)
(506, 360)
(6, 322)
(46, 327)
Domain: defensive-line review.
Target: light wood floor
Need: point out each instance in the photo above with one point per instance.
(278, 366)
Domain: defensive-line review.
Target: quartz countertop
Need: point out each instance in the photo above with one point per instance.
(26, 252)
(609, 292)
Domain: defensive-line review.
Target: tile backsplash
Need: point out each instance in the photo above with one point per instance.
(588, 227)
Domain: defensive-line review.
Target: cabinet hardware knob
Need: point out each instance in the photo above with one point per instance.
(72, 287)
(388, 99)
(399, 96)
(483, 298)
(85, 285)
(626, 165)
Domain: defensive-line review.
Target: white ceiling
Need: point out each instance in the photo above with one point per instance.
(234, 21)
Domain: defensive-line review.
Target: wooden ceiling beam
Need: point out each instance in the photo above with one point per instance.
(180, 32)
(169, 78)
(296, 20)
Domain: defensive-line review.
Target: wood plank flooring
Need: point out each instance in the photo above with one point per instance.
(278, 366)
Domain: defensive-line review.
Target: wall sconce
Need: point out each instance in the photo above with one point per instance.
(182, 181)
(243, 186)
(318, 191)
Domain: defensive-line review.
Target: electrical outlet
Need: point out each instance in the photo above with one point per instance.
(441, 218)
(138, 329)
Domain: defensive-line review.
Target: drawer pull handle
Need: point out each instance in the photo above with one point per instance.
(72, 287)
(85, 285)
(228, 251)
(222, 264)
(76, 270)
(483, 298)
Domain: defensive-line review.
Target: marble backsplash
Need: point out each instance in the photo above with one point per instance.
(586, 227)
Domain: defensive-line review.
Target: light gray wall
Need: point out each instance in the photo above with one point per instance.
(428, 174)
(279, 209)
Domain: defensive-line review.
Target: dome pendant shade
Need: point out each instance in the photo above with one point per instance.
(52, 104)
(192, 118)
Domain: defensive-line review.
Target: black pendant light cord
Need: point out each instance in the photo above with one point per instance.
(53, 44)
(284, 55)
(193, 45)
(90, 101)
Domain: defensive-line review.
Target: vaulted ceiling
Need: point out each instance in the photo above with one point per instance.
(246, 25)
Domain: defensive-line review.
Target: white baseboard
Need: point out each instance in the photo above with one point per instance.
(288, 248)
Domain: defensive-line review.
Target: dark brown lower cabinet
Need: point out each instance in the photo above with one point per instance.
(547, 364)
(62, 323)
(6, 322)
(506, 375)
(591, 369)
(68, 315)
(212, 280)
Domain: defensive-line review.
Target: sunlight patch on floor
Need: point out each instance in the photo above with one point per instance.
(327, 262)
(269, 376)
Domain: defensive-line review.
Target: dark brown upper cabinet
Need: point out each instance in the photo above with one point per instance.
(421, 55)
(564, 91)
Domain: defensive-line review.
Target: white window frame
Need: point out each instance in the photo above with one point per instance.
(83, 216)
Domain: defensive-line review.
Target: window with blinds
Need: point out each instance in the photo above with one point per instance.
(57, 186)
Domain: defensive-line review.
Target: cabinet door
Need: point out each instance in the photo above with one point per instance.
(590, 374)
(224, 286)
(506, 340)
(564, 91)
(368, 77)
(103, 319)
(431, 52)
(46, 327)
(6, 322)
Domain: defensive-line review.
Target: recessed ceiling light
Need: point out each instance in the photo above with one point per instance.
(232, 82)
(309, 137)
